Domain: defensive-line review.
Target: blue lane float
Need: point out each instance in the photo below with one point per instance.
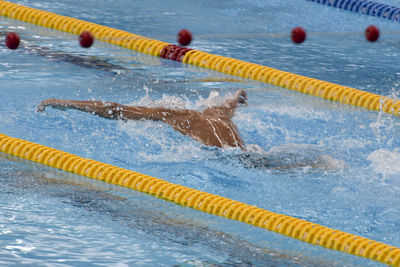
(365, 7)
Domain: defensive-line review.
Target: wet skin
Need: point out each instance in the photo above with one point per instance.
(212, 127)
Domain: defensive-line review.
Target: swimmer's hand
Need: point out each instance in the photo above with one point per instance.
(241, 96)
(48, 102)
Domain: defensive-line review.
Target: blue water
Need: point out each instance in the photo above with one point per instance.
(53, 218)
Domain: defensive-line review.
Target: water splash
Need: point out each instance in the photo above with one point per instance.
(179, 102)
(213, 99)
(385, 162)
(383, 125)
(156, 141)
(160, 142)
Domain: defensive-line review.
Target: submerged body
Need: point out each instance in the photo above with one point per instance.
(212, 127)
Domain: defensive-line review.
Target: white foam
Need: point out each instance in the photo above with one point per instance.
(254, 148)
(385, 162)
(172, 145)
(213, 99)
(176, 102)
(354, 143)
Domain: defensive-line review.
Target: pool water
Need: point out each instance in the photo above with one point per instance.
(54, 218)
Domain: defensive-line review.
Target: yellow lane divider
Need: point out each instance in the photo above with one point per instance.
(227, 65)
(299, 229)
(292, 81)
(293, 227)
(76, 26)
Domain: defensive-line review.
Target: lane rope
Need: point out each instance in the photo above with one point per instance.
(319, 88)
(213, 204)
(286, 225)
(365, 7)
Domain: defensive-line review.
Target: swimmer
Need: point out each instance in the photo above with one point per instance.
(212, 127)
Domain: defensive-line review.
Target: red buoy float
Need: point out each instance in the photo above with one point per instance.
(86, 39)
(298, 35)
(184, 37)
(12, 40)
(372, 33)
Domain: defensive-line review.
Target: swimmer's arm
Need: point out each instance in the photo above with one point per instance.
(107, 110)
(95, 107)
